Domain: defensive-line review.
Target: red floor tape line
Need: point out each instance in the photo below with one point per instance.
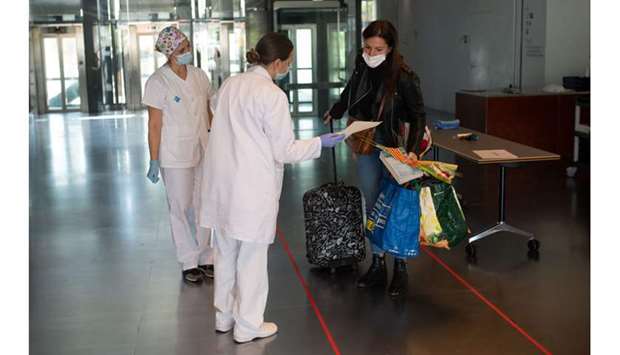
(485, 300)
(328, 334)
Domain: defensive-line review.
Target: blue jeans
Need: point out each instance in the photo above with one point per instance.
(370, 171)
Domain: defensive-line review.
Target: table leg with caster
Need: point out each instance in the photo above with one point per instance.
(502, 226)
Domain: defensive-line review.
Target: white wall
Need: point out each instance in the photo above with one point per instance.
(432, 41)
(387, 9)
(568, 39)
(455, 44)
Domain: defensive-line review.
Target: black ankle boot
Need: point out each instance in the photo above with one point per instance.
(399, 280)
(376, 274)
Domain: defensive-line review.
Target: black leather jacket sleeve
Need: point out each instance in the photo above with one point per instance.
(414, 110)
(340, 107)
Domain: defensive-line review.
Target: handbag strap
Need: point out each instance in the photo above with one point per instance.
(381, 106)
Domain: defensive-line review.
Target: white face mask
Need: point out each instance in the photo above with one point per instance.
(373, 61)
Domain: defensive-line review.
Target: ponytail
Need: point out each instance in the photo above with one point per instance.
(270, 47)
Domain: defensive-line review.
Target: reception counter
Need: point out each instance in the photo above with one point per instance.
(538, 119)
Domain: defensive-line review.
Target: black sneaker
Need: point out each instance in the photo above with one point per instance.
(192, 276)
(207, 270)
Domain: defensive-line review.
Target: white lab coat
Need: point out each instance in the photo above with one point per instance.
(251, 138)
(184, 114)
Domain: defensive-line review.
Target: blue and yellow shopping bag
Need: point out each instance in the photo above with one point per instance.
(394, 223)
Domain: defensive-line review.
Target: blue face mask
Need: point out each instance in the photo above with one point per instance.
(185, 58)
(280, 76)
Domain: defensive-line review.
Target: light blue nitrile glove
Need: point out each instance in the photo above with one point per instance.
(329, 140)
(153, 173)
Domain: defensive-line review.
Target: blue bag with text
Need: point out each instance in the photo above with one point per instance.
(394, 223)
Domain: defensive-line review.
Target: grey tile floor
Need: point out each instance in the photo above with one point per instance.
(104, 280)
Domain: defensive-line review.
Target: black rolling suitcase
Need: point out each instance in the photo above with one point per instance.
(334, 224)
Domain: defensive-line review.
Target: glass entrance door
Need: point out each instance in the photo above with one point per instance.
(62, 82)
(302, 74)
(150, 60)
(323, 41)
(220, 49)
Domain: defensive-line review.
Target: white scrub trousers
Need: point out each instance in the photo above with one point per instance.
(183, 193)
(241, 285)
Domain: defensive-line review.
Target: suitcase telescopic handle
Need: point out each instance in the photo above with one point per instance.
(331, 130)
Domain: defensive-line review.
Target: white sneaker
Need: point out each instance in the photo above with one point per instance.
(267, 329)
(221, 327)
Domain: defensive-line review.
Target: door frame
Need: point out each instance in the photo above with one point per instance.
(38, 34)
(296, 86)
(281, 21)
(131, 58)
(156, 55)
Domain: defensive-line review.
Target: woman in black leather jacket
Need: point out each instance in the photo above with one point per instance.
(381, 71)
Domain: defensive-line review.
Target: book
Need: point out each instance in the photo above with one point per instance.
(402, 173)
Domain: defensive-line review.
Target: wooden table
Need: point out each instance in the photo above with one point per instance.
(446, 139)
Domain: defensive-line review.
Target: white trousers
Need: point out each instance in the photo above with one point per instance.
(183, 193)
(241, 284)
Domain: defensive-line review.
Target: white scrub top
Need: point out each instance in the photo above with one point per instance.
(185, 119)
(251, 138)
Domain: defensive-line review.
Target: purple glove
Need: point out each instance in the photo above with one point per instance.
(329, 140)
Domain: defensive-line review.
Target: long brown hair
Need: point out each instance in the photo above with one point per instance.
(270, 47)
(394, 60)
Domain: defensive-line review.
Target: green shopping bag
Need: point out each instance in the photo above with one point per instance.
(445, 208)
(449, 213)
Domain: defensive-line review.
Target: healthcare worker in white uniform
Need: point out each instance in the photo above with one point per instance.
(251, 139)
(177, 97)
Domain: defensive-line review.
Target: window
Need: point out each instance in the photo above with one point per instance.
(304, 68)
(236, 46)
(369, 12)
